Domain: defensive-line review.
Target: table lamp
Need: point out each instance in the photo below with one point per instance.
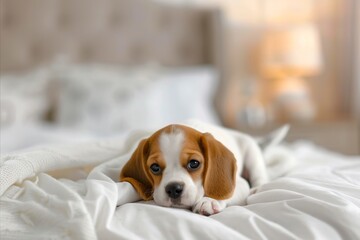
(288, 56)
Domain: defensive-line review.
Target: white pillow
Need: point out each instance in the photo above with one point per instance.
(107, 100)
(24, 98)
(180, 94)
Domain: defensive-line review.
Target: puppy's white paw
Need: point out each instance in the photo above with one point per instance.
(208, 206)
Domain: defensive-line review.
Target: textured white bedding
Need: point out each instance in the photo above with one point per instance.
(54, 193)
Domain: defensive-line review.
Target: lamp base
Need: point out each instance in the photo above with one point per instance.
(291, 100)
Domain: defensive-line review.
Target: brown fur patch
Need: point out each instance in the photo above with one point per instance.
(158, 159)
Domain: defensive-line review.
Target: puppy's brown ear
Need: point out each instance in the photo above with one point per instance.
(135, 171)
(220, 168)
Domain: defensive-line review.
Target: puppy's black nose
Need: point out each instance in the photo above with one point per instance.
(174, 190)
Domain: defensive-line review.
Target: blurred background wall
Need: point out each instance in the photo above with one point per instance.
(109, 66)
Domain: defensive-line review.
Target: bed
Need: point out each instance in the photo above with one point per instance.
(66, 187)
(72, 192)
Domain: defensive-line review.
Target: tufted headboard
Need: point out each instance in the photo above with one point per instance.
(34, 32)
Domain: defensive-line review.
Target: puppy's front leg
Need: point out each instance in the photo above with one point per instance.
(241, 192)
(209, 206)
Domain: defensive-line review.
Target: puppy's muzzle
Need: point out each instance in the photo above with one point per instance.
(174, 190)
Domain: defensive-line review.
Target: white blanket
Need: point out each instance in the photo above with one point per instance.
(71, 192)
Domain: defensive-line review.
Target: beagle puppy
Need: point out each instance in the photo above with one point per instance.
(179, 166)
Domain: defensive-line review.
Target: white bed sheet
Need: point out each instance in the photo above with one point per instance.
(319, 199)
(15, 138)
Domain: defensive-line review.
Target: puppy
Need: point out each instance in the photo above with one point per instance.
(179, 166)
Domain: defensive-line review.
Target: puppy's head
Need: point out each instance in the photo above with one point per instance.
(178, 165)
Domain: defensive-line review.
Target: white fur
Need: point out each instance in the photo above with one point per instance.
(171, 146)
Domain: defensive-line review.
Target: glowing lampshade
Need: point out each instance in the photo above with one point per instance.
(291, 52)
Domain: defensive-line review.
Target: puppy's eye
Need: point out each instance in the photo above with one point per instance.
(193, 164)
(155, 168)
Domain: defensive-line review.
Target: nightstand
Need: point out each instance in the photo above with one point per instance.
(339, 136)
